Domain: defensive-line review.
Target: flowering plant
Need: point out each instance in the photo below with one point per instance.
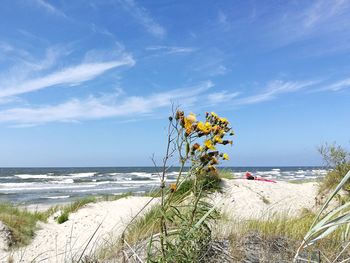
(181, 228)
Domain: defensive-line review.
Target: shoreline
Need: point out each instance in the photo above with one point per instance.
(29, 186)
(241, 199)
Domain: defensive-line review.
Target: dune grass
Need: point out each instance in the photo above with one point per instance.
(226, 174)
(337, 159)
(276, 239)
(21, 223)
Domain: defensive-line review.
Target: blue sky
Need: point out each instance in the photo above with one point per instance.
(91, 83)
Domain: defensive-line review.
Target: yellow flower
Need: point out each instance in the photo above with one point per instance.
(225, 156)
(214, 114)
(203, 127)
(217, 139)
(188, 125)
(223, 120)
(209, 144)
(191, 117)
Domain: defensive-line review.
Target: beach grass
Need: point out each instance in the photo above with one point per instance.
(274, 239)
(21, 223)
(226, 174)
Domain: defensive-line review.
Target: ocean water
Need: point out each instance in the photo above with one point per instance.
(54, 185)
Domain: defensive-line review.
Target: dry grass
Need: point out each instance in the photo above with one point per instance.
(21, 223)
(274, 240)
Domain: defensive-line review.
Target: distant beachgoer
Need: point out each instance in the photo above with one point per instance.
(249, 176)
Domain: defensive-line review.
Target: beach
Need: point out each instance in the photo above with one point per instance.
(30, 186)
(240, 199)
(55, 242)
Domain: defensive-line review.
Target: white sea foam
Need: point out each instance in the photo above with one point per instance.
(34, 187)
(32, 176)
(64, 181)
(15, 185)
(141, 174)
(115, 174)
(58, 197)
(82, 175)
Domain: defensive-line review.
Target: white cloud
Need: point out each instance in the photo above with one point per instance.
(107, 106)
(274, 88)
(50, 8)
(171, 49)
(72, 75)
(314, 19)
(222, 96)
(322, 11)
(339, 85)
(211, 66)
(143, 17)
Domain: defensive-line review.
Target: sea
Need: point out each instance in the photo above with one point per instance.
(57, 185)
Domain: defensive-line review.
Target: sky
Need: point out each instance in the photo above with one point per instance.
(91, 83)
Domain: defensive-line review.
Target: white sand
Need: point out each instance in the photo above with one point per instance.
(3, 237)
(61, 242)
(248, 199)
(242, 199)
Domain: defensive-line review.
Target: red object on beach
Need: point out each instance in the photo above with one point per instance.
(265, 180)
(249, 176)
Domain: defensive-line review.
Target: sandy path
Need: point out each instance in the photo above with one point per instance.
(62, 242)
(248, 199)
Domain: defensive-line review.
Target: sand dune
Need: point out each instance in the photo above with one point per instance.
(247, 199)
(241, 199)
(62, 242)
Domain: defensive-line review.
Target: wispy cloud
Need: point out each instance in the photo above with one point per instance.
(143, 17)
(171, 49)
(274, 89)
(5, 47)
(339, 85)
(11, 52)
(222, 96)
(68, 76)
(50, 8)
(106, 106)
(223, 21)
(325, 19)
(323, 10)
(212, 68)
(28, 75)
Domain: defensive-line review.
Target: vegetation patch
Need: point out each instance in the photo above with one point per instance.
(337, 160)
(274, 240)
(226, 174)
(21, 223)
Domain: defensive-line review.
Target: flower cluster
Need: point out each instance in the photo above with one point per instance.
(204, 137)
